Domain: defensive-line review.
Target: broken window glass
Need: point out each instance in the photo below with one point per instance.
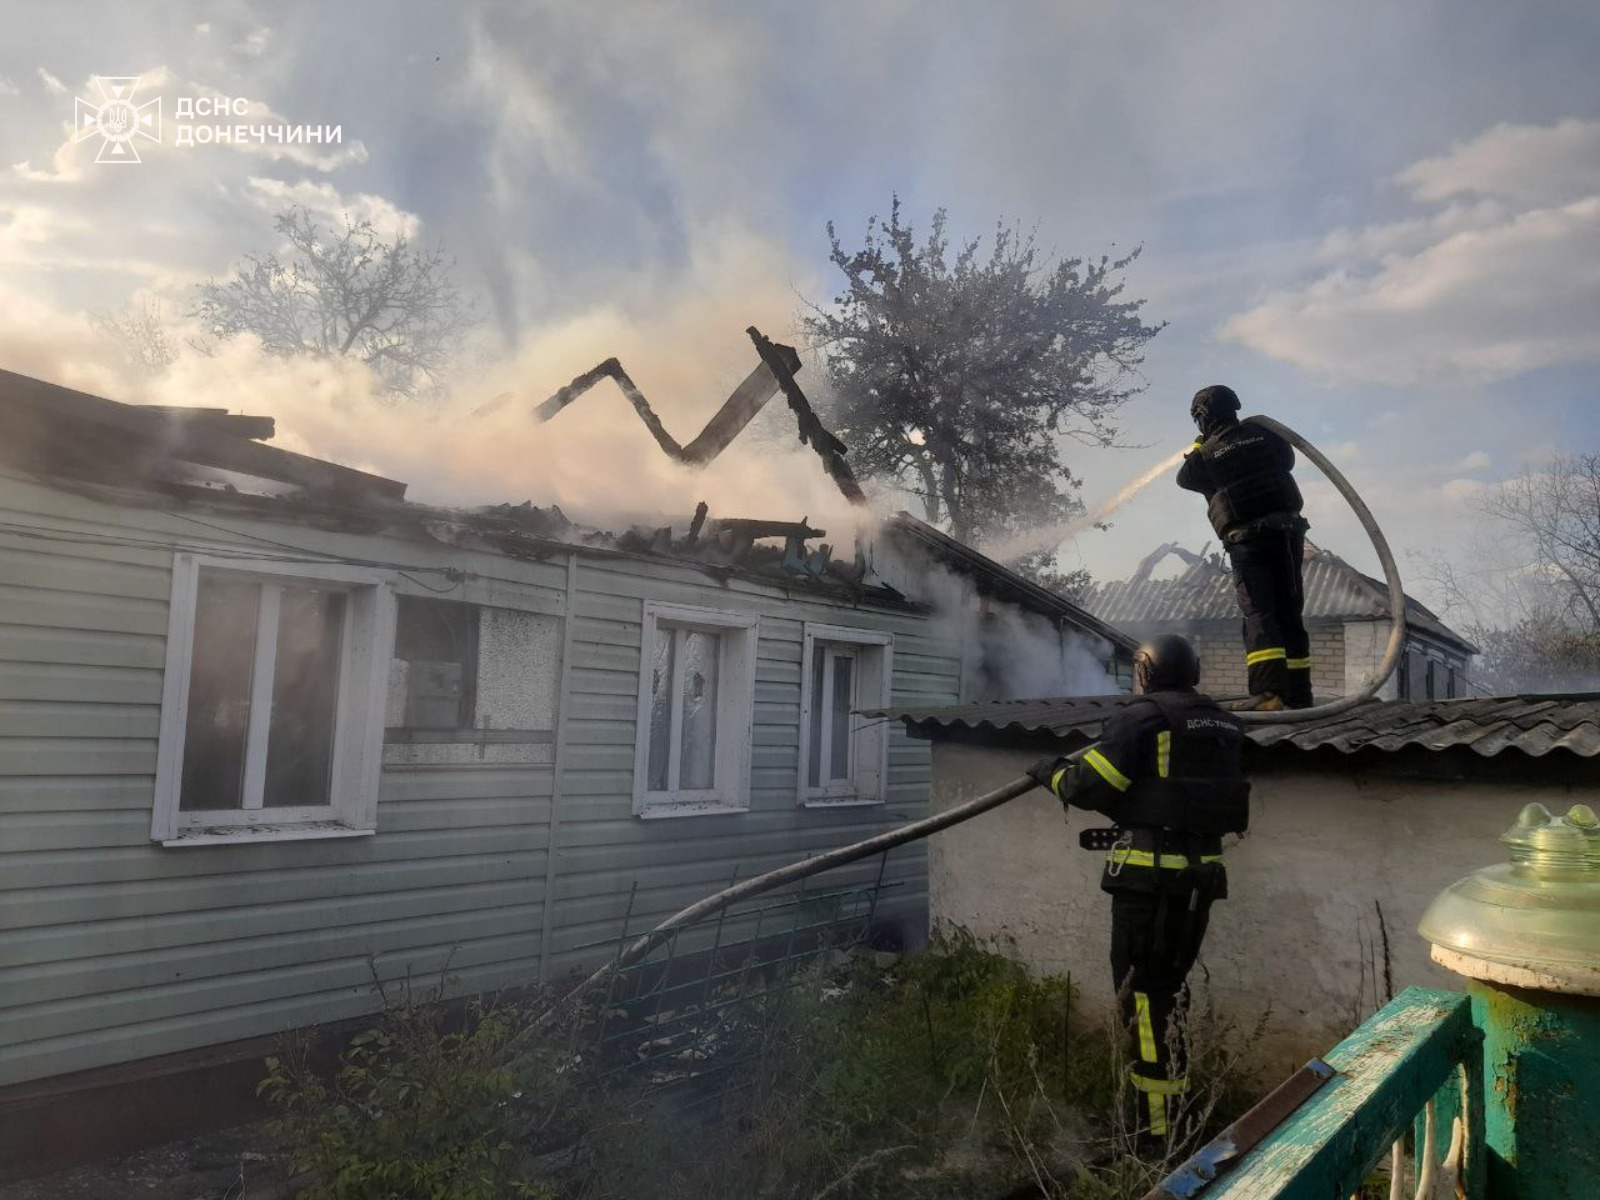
(843, 700)
(279, 647)
(697, 761)
(437, 641)
(218, 719)
(305, 694)
(661, 709)
(831, 748)
(685, 673)
(818, 712)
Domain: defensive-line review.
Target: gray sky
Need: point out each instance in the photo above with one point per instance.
(1380, 223)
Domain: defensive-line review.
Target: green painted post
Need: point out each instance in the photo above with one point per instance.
(1526, 936)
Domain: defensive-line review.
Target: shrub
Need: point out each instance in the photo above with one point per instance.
(418, 1110)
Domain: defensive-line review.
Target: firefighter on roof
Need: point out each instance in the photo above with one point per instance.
(1166, 771)
(1243, 471)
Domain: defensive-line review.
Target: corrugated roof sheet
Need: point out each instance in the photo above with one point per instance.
(1204, 592)
(1535, 725)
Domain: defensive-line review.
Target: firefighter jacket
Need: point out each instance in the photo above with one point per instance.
(1242, 470)
(1167, 772)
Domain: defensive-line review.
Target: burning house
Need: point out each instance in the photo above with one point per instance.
(273, 737)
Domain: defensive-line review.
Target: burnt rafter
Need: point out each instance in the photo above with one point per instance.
(776, 373)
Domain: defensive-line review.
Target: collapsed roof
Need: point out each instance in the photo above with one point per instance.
(205, 458)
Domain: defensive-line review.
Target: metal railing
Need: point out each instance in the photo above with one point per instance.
(1414, 1069)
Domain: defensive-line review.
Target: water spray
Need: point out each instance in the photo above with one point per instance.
(1051, 536)
(804, 869)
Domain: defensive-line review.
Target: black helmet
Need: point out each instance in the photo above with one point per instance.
(1165, 663)
(1213, 407)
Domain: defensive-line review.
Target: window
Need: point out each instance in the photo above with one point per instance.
(272, 703)
(843, 758)
(436, 661)
(1432, 680)
(696, 702)
(1409, 682)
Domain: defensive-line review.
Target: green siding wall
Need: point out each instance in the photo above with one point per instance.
(113, 948)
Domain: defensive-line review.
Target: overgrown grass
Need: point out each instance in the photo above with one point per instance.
(953, 1072)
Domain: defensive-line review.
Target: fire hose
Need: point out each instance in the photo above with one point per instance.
(965, 811)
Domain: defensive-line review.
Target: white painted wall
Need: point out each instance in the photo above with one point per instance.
(1300, 930)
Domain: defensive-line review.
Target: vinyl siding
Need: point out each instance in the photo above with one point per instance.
(113, 948)
(603, 852)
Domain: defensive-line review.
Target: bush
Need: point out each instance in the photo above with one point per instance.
(950, 1072)
(420, 1110)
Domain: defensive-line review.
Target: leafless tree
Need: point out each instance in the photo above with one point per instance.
(350, 292)
(1529, 595)
(140, 335)
(1556, 513)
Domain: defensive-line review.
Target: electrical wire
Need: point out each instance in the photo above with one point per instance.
(45, 533)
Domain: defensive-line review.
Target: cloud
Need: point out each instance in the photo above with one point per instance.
(1476, 461)
(255, 43)
(53, 85)
(325, 201)
(1530, 164)
(682, 343)
(7, 88)
(1494, 284)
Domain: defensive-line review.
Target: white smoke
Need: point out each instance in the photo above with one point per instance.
(1008, 653)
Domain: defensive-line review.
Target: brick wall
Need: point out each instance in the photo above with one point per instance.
(1222, 669)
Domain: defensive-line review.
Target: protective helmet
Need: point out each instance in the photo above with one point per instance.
(1165, 663)
(1214, 407)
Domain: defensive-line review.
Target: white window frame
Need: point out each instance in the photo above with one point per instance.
(873, 651)
(736, 688)
(366, 645)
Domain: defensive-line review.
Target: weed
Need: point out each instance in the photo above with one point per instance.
(950, 1072)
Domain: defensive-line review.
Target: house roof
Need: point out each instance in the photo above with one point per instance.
(993, 579)
(1533, 725)
(1334, 590)
(208, 458)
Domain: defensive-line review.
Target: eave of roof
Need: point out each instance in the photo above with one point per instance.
(1003, 581)
(1534, 725)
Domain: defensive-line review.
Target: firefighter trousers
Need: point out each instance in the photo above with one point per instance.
(1267, 580)
(1155, 938)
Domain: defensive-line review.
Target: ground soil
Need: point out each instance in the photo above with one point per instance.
(234, 1164)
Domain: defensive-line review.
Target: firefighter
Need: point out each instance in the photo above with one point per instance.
(1243, 471)
(1166, 772)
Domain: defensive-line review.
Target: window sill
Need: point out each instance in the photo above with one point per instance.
(656, 812)
(246, 835)
(841, 802)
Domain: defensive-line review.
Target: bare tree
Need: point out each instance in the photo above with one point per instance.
(352, 293)
(139, 335)
(1529, 595)
(1556, 513)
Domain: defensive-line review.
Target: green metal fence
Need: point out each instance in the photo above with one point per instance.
(1415, 1068)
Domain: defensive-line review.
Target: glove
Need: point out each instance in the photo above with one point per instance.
(1043, 771)
(1198, 442)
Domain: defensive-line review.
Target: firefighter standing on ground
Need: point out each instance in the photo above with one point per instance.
(1166, 771)
(1243, 470)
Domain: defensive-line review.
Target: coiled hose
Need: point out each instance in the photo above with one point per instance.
(966, 811)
